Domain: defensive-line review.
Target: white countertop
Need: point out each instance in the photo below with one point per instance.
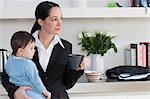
(105, 88)
(110, 87)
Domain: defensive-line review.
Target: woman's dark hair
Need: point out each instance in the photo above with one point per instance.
(42, 12)
(20, 39)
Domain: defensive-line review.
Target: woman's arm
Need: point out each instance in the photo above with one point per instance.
(14, 91)
(20, 93)
(10, 88)
(71, 77)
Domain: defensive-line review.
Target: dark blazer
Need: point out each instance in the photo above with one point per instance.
(57, 77)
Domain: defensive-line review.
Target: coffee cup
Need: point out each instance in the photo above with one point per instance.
(75, 61)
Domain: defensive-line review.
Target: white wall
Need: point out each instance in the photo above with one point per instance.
(128, 30)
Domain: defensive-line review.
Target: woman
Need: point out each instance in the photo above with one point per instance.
(51, 56)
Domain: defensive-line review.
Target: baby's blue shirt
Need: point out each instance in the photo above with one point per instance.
(23, 72)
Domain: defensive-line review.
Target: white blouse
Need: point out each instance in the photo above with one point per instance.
(44, 54)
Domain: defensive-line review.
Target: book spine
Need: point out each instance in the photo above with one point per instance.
(135, 3)
(139, 55)
(143, 55)
(128, 60)
(134, 55)
(148, 55)
(145, 52)
(130, 2)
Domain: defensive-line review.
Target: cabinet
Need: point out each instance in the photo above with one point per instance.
(105, 90)
(111, 90)
(127, 96)
(102, 97)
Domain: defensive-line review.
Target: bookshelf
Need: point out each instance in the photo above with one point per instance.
(125, 12)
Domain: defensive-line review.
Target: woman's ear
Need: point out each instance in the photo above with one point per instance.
(40, 22)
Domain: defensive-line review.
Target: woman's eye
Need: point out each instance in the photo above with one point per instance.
(32, 48)
(53, 19)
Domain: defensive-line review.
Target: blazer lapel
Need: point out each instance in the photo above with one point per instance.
(36, 60)
(57, 51)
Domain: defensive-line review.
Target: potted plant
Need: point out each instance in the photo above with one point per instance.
(97, 45)
(100, 43)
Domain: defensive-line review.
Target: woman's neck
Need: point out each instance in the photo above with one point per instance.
(45, 39)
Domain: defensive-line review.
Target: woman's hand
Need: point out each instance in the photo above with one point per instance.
(47, 94)
(21, 94)
(84, 63)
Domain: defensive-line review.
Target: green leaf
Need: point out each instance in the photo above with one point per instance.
(100, 43)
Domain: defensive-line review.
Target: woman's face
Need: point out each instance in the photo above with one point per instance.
(53, 23)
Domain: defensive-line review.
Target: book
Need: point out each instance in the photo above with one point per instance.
(134, 54)
(142, 56)
(147, 48)
(135, 3)
(128, 60)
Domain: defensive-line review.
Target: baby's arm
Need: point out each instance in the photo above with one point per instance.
(32, 73)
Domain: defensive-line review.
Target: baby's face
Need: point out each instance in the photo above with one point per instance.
(29, 50)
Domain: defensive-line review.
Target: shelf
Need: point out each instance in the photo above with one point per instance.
(125, 12)
(106, 13)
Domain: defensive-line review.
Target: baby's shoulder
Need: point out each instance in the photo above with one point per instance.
(28, 62)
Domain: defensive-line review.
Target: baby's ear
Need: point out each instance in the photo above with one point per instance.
(19, 51)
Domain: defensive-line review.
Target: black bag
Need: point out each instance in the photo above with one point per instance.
(127, 72)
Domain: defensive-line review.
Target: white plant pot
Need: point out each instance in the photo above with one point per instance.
(97, 63)
(79, 3)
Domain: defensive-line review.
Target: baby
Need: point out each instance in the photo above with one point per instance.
(21, 69)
